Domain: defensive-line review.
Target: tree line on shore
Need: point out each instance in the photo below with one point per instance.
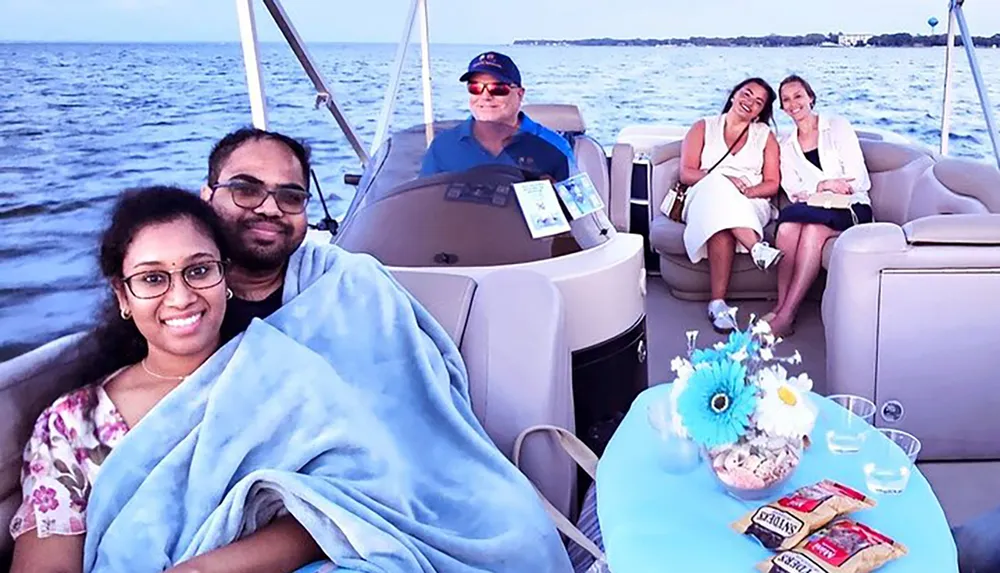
(901, 39)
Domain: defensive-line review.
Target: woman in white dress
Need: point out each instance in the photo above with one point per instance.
(726, 210)
(821, 155)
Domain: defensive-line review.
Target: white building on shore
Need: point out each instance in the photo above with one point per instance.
(851, 40)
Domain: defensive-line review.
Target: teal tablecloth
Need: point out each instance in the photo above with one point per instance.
(656, 522)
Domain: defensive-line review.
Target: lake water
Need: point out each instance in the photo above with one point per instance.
(79, 123)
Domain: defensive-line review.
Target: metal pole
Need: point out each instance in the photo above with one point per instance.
(425, 69)
(977, 76)
(324, 93)
(949, 68)
(397, 71)
(251, 62)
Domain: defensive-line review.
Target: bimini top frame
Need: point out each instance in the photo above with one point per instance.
(957, 16)
(418, 9)
(324, 95)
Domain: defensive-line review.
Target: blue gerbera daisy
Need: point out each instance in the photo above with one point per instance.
(738, 340)
(717, 403)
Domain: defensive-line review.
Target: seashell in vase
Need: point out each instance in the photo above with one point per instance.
(755, 467)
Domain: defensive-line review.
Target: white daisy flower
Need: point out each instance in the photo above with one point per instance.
(784, 408)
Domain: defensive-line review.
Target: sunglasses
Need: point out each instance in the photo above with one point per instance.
(153, 284)
(250, 195)
(493, 88)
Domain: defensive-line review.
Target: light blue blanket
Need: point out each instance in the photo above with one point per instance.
(349, 407)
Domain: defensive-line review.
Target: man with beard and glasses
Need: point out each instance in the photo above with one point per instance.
(258, 183)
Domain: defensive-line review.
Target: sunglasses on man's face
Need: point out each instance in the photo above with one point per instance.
(495, 89)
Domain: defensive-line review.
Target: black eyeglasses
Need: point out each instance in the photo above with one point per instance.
(153, 284)
(250, 195)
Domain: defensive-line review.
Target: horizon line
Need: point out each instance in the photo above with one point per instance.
(460, 43)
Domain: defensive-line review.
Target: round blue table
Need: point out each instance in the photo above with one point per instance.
(656, 522)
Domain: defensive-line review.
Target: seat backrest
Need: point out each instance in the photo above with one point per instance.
(517, 355)
(591, 158)
(955, 186)
(893, 168)
(620, 186)
(509, 327)
(28, 384)
(665, 169)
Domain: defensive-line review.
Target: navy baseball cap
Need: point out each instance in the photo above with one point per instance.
(495, 64)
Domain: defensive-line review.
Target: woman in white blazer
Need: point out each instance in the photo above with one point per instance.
(822, 155)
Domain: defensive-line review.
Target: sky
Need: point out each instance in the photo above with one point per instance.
(477, 21)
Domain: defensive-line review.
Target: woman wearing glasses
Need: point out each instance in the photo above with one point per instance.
(163, 256)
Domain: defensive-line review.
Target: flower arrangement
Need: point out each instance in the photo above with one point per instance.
(737, 401)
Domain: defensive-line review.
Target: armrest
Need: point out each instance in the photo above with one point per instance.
(971, 229)
(620, 208)
(518, 359)
(664, 152)
(664, 170)
(850, 307)
(28, 385)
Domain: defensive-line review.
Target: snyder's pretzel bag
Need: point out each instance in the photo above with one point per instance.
(844, 546)
(782, 524)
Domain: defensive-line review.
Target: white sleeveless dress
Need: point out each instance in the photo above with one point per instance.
(714, 204)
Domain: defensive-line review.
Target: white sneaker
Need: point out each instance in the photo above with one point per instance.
(722, 315)
(765, 256)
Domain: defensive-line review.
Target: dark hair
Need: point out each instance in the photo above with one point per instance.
(118, 342)
(794, 78)
(766, 114)
(233, 141)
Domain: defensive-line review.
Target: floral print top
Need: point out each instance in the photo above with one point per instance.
(70, 441)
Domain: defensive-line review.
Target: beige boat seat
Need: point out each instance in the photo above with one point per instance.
(686, 280)
(508, 324)
(613, 182)
(910, 310)
(894, 169)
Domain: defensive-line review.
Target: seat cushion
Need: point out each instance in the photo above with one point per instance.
(666, 236)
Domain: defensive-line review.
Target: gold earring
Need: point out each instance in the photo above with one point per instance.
(229, 293)
(126, 314)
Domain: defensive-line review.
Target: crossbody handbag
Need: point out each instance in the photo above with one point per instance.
(830, 200)
(673, 204)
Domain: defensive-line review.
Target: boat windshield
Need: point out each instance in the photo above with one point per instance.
(480, 194)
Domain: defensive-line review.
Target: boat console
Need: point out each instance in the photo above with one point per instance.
(456, 208)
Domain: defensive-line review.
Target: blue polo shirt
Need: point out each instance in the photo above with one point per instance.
(534, 148)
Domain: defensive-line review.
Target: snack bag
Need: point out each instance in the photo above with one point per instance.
(844, 546)
(782, 524)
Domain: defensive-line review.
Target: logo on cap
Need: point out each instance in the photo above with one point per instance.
(489, 59)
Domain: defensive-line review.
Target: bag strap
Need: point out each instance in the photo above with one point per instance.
(731, 147)
(586, 459)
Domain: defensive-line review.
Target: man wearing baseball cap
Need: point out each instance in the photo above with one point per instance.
(498, 131)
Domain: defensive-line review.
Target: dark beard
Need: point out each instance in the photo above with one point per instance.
(258, 258)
